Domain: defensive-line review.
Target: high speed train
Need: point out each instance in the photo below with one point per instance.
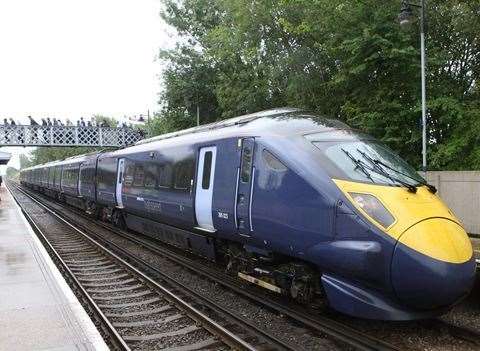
(286, 199)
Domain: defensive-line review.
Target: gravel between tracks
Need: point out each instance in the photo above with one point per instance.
(467, 313)
(273, 323)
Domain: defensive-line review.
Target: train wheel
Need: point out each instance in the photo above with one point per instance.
(302, 291)
(103, 214)
(301, 281)
(237, 260)
(93, 210)
(118, 220)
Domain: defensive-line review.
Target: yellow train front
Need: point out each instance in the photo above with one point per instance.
(432, 265)
(400, 253)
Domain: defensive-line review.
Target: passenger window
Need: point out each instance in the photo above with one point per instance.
(129, 172)
(165, 176)
(107, 172)
(139, 176)
(207, 169)
(183, 174)
(150, 176)
(246, 168)
(58, 175)
(273, 162)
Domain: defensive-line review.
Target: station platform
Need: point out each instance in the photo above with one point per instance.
(38, 310)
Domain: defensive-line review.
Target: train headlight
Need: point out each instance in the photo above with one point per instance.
(374, 208)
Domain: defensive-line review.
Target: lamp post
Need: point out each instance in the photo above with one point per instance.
(405, 18)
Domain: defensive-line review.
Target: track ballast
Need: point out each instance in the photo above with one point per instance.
(136, 312)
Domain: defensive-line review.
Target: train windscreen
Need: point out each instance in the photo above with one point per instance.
(365, 160)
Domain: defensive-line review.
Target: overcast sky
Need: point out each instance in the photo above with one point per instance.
(72, 58)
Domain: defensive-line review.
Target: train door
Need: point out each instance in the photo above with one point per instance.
(118, 188)
(244, 189)
(204, 189)
(79, 184)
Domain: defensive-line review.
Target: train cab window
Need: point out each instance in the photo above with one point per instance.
(347, 155)
(207, 169)
(246, 168)
(150, 176)
(165, 176)
(139, 176)
(183, 174)
(273, 162)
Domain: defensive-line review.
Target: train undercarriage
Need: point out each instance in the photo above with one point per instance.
(277, 273)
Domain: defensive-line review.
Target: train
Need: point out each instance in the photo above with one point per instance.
(287, 199)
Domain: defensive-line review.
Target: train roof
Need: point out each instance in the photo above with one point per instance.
(275, 114)
(67, 161)
(275, 122)
(4, 157)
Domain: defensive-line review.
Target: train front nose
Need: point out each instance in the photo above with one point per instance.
(433, 264)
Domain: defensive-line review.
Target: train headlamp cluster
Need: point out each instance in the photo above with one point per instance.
(374, 208)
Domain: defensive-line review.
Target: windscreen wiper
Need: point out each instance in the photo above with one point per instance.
(358, 165)
(377, 169)
(430, 187)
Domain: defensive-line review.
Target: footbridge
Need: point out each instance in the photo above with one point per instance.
(29, 135)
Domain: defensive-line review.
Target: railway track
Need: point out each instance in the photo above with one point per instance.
(326, 325)
(316, 323)
(135, 311)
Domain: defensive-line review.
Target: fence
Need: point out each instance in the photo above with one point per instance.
(461, 192)
(67, 136)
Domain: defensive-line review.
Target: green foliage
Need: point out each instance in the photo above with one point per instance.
(12, 173)
(25, 162)
(345, 58)
(43, 155)
(110, 121)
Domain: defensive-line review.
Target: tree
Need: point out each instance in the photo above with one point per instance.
(12, 173)
(43, 155)
(25, 161)
(343, 58)
(109, 121)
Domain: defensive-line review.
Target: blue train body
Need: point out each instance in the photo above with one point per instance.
(265, 196)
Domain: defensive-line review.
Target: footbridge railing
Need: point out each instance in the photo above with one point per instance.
(27, 135)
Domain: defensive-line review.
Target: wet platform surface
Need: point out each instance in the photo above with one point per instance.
(38, 311)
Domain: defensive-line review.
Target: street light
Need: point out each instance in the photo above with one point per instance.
(405, 18)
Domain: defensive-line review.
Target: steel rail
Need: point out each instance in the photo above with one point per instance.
(228, 337)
